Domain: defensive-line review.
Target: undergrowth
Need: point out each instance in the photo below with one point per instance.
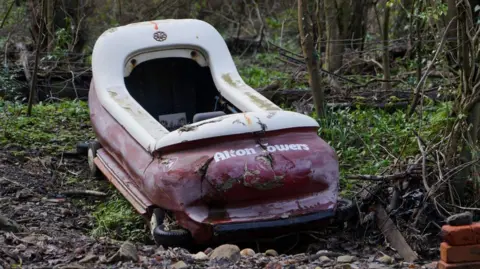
(262, 70)
(52, 129)
(366, 140)
(117, 219)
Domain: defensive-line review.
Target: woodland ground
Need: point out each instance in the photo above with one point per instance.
(38, 169)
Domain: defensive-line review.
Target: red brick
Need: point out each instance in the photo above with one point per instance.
(472, 265)
(458, 254)
(476, 230)
(461, 235)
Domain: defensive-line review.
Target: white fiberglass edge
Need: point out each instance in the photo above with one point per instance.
(116, 46)
(239, 123)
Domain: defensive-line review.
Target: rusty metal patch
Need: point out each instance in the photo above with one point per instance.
(160, 36)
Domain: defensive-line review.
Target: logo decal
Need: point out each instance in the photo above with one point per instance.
(169, 163)
(160, 36)
(227, 154)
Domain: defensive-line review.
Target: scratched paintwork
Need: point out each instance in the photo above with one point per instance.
(201, 192)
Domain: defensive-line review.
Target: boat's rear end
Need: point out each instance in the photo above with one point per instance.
(256, 181)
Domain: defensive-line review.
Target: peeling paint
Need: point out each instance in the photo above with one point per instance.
(202, 171)
(262, 125)
(263, 103)
(237, 121)
(189, 128)
(109, 31)
(227, 184)
(271, 115)
(249, 121)
(228, 78)
(155, 25)
(113, 94)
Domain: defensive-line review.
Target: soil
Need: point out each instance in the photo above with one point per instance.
(55, 230)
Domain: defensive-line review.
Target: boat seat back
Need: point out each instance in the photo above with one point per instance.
(207, 115)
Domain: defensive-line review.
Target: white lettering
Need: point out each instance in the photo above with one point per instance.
(282, 147)
(219, 157)
(227, 154)
(305, 147)
(240, 152)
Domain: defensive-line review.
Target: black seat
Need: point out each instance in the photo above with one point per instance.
(207, 115)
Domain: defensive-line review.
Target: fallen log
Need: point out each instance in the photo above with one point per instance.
(393, 235)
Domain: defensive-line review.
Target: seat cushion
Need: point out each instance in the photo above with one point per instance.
(207, 115)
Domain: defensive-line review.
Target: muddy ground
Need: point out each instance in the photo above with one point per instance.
(55, 230)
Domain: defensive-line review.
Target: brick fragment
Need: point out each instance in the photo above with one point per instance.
(461, 235)
(472, 265)
(459, 254)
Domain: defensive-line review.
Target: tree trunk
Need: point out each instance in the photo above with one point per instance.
(335, 48)
(469, 138)
(33, 84)
(452, 53)
(386, 56)
(401, 19)
(305, 27)
(357, 24)
(49, 8)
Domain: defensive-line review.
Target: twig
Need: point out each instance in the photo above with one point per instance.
(425, 75)
(84, 193)
(424, 172)
(379, 178)
(7, 14)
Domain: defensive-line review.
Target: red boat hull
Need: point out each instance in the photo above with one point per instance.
(223, 184)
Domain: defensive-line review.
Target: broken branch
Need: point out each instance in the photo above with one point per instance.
(393, 235)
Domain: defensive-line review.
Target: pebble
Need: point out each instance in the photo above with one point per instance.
(386, 259)
(271, 252)
(127, 252)
(343, 266)
(274, 265)
(230, 253)
(465, 218)
(432, 265)
(324, 259)
(345, 259)
(179, 265)
(376, 266)
(200, 256)
(247, 252)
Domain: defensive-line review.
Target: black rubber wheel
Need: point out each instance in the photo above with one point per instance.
(92, 153)
(82, 148)
(171, 238)
(345, 209)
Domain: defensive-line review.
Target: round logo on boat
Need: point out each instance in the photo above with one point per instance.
(160, 36)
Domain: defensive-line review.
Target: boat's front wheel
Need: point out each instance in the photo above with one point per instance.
(177, 237)
(92, 153)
